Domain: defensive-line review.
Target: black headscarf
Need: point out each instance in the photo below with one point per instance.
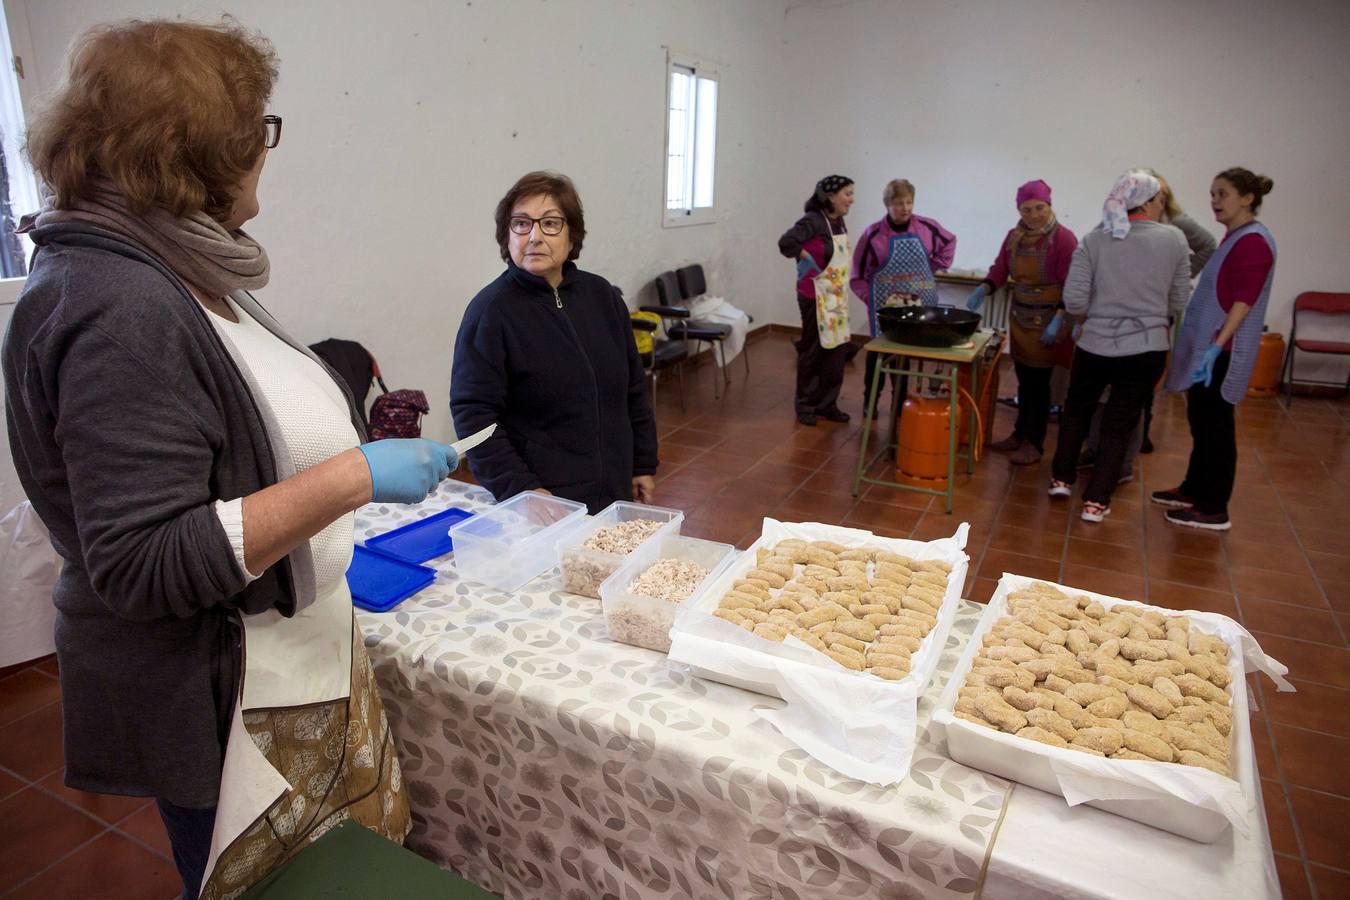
(830, 184)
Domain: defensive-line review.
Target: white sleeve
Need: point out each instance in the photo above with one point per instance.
(231, 516)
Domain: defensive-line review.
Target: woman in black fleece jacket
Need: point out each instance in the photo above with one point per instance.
(546, 351)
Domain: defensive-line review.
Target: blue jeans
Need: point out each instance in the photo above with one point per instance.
(190, 835)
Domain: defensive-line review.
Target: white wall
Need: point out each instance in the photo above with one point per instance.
(406, 122)
(970, 99)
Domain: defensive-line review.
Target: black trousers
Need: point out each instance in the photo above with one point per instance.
(874, 360)
(1131, 379)
(820, 371)
(1213, 465)
(190, 837)
(1033, 403)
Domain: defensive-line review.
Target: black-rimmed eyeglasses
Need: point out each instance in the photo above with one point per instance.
(271, 131)
(550, 225)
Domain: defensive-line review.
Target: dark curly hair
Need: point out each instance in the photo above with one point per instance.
(547, 184)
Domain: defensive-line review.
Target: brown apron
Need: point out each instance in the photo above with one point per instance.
(1033, 302)
(340, 760)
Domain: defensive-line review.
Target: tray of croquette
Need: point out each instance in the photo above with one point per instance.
(842, 599)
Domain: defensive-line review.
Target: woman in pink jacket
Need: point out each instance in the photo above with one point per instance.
(877, 253)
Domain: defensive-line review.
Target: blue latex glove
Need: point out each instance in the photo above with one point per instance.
(406, 470)
(1205, 371)
(806, 266)
(1051, 332)
(976, 298)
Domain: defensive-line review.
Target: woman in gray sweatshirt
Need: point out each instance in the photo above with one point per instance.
(1203, 245)
(1125, 280)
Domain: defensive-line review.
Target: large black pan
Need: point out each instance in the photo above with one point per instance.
(927, 326)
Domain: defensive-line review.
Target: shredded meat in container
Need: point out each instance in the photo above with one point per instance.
(669, 580)
(672, 580)
(623, 538)
(582, 571)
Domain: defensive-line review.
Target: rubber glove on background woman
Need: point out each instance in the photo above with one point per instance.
(976, 298)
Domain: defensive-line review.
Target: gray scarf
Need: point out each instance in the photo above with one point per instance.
(196, 248)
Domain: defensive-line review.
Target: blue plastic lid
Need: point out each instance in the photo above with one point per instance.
(421, 540)
(379, 582)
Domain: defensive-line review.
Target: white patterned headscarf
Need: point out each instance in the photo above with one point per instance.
(1132, 189)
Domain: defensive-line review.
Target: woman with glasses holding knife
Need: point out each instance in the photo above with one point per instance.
(197, 468)
(546, 352)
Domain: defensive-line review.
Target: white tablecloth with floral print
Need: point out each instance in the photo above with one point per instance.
(544, 760)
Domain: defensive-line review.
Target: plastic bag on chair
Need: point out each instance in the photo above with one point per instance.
(28, 569)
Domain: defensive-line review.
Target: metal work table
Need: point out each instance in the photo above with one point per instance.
(894, 363)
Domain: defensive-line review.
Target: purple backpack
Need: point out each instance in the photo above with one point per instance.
(396, 414)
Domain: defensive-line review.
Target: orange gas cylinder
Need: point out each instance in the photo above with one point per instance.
(1269, 361)
(924, 440)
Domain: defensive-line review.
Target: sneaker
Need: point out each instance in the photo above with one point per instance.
(1125, 477)
(1025, 455)
(1190, 518)
(833, 414)
(1008, 444)
(1060, 488)
(806, 419)
(1172, 499)
(1146, 446)
(1094, 512)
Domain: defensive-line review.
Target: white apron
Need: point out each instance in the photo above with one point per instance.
(286, 662)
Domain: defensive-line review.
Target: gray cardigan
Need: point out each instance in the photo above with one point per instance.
(128, 418)
(1198, 238)
(1128, 288)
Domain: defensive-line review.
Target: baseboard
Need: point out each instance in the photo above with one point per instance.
(1315, 391)
(796, 333)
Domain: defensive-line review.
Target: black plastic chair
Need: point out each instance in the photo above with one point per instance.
(672, 289)
(693, 284)
(663, 355)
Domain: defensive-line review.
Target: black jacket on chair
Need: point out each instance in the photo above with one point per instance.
(558, 371)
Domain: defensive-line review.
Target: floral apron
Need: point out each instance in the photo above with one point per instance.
(832, 296)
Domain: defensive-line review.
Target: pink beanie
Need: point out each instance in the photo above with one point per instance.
(1033, 190)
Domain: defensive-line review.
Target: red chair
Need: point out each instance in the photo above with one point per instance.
(1325, 303)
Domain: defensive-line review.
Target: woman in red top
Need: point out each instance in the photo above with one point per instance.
(1217, 348)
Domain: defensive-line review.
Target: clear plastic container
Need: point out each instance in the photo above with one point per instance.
(513, 542)
(583, 569)
(645, 621)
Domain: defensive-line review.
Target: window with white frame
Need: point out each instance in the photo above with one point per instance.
(18, 185)
(691, 141)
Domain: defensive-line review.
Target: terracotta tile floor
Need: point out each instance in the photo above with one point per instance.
(1284, 571)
